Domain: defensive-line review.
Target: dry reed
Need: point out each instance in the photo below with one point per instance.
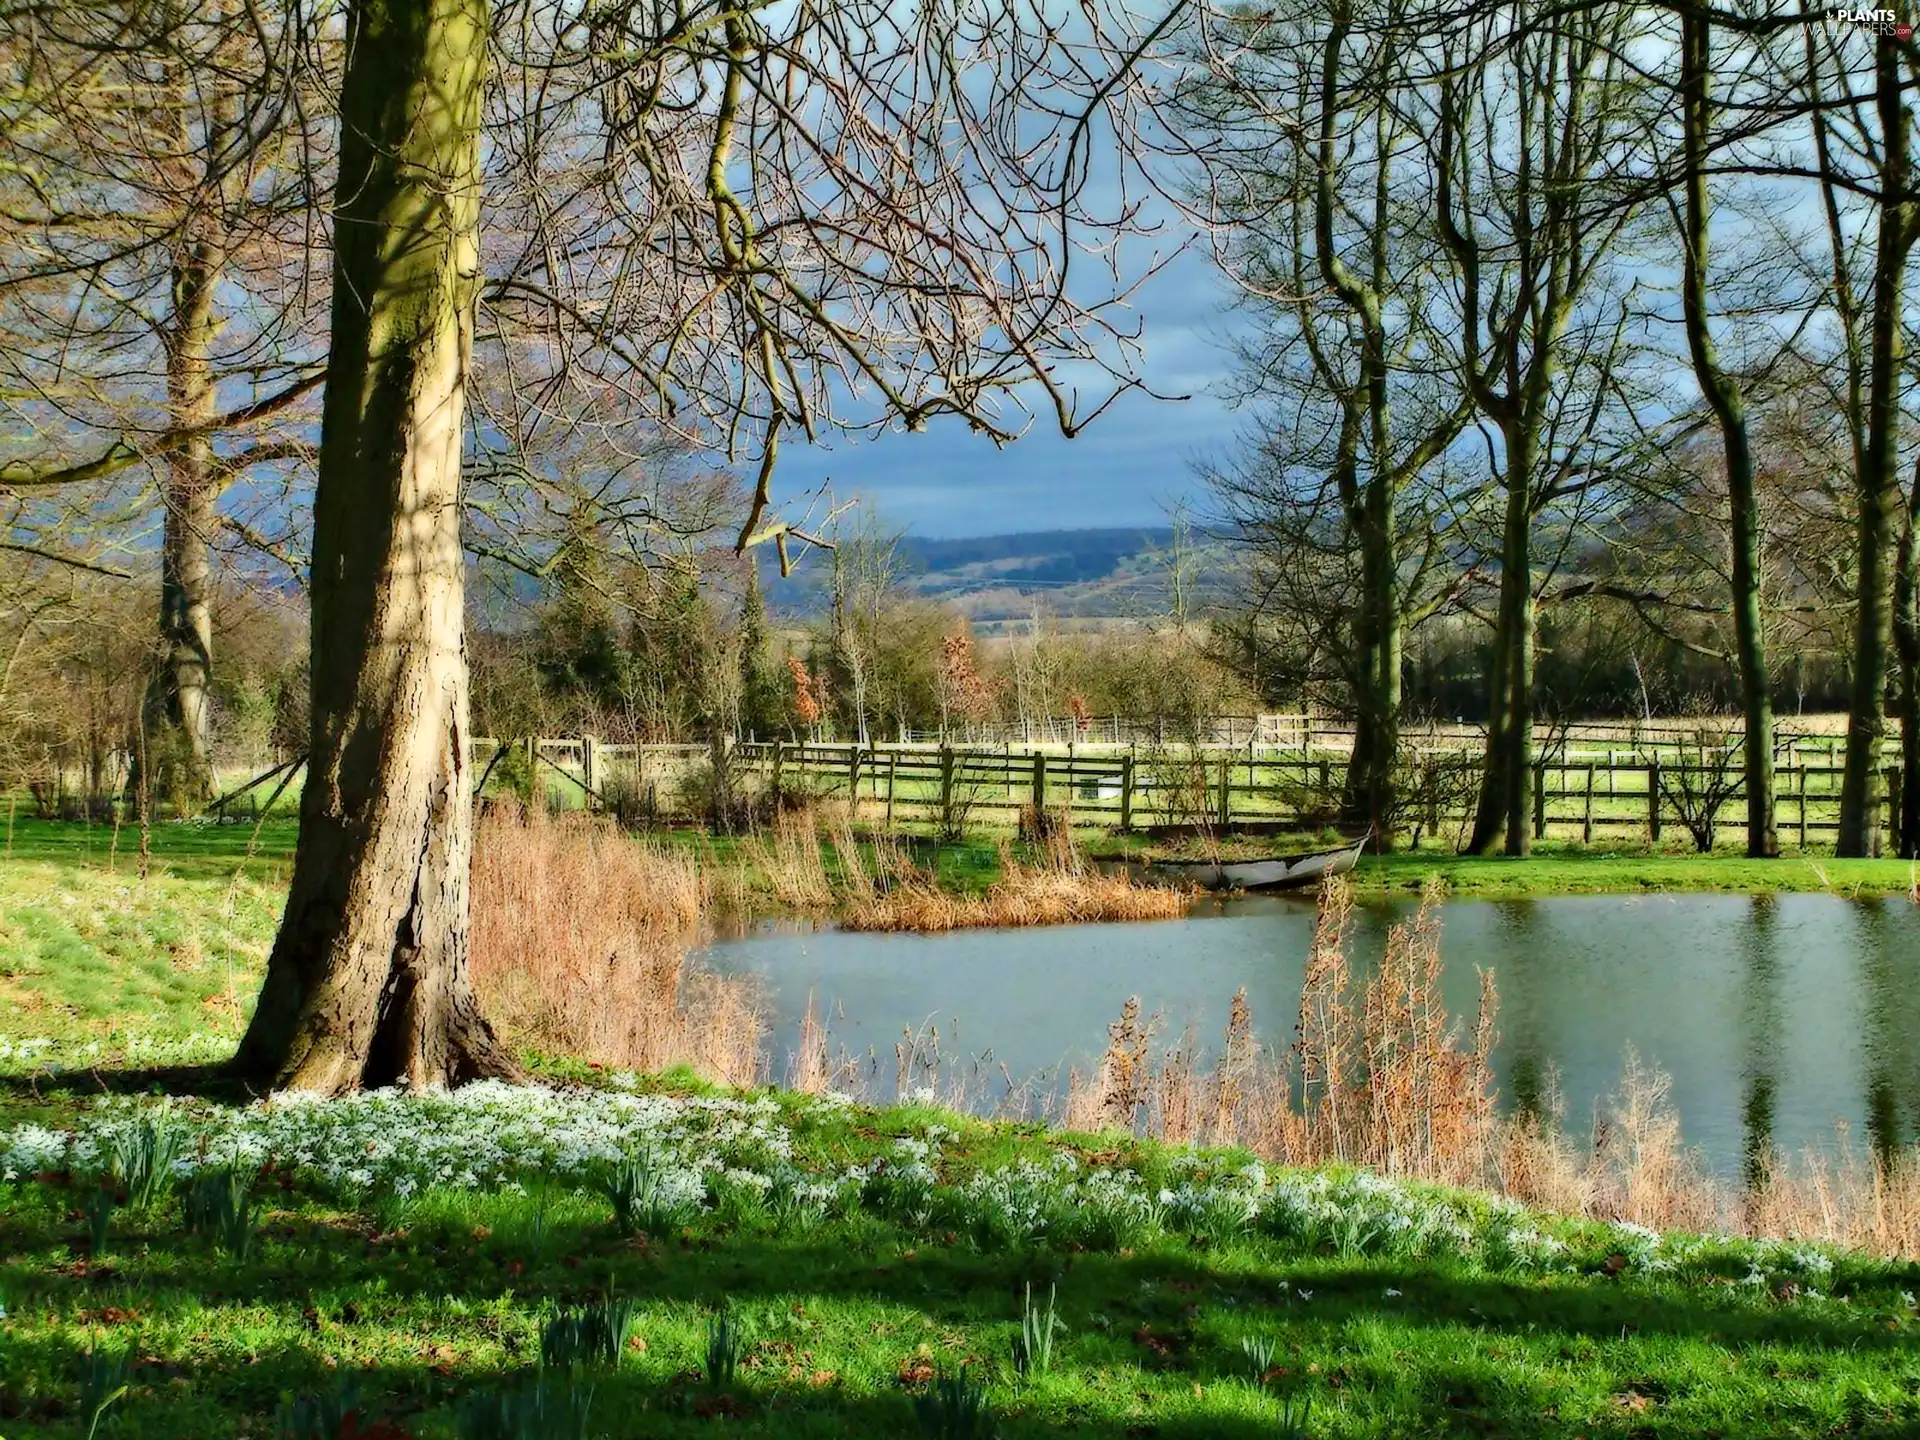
(1059, 889)
(580, 945)
(1380, 1075)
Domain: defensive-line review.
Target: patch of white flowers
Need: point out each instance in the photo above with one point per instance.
(482, 1136)
(683, 1154)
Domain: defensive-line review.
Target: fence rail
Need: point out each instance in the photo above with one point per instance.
(1618, 794)
(1592, 790)
(1307, 732)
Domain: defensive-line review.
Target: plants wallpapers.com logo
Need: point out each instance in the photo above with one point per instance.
(1874, 22)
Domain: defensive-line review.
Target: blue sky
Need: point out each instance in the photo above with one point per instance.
(1124, 469)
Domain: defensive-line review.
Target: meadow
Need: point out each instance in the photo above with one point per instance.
(606, 1255)
(631, 1249)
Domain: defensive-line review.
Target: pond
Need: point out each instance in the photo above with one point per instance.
(1776, 1016)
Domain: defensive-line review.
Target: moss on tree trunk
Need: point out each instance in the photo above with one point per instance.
(368, 981)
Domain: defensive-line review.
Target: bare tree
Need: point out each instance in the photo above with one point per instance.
(799, 214)
(1726, 399)
(1860, 132)
(1529, 125)
(1324, 232)
(156, 171)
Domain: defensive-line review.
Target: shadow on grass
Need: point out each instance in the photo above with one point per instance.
(214, 1081)
(347, 1254)
(169, 1400)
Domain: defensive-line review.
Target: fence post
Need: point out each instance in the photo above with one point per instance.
(779, 752)
(1039, 782)
(589, 770)
(853, 778)
(946, 784)
(1226, 793)
(1540, 799)
(1802, 788)
(1586, 820)
(1653, 800)
(893, 757)
(1126, 792)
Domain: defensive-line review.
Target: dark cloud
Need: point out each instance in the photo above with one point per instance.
(1122, 470)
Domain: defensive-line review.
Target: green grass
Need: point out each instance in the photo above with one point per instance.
(1571, 870)
(425, 1301)
(184, 848)
(92, 952)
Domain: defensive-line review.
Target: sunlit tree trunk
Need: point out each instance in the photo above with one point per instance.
(1878, 480)
(182, 701)
(1506, 782)
(1724, 398)
(368, 981)
(1906, 638)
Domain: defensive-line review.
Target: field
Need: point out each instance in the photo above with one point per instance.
(620, 1255)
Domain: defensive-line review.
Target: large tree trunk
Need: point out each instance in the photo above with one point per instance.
(1878, 481)
(184, 701)
(1506, 780)
(1906, 637)
(1728, 404)
(368, 981)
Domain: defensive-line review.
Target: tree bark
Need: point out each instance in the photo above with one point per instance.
(1878, 481)
(368, 982)
(1506, 779)
(1378, 630)
(181, 700)
(1725, 399)
(1906, 637)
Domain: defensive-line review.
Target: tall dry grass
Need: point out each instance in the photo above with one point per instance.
(580, 946)
(1059, 888)
(581, 940)
(1381, 1075)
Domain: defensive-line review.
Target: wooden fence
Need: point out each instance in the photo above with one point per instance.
(1306, 733)
(1617, 794)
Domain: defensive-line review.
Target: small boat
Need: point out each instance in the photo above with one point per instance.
(1275, 872)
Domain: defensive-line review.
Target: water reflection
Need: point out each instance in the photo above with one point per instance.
(1760, 1023)
(1530, 1079)
(1774, 1017)
(1891, 1047)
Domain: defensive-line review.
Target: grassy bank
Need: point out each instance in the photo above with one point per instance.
(970, 867)
(1574, 871)
(411, 1257)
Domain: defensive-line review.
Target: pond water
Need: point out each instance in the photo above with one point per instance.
(1775, 1016)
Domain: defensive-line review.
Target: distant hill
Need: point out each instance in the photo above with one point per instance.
(1090, 573)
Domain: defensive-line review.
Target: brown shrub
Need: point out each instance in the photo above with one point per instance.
(580, 946)
(1059, 889)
